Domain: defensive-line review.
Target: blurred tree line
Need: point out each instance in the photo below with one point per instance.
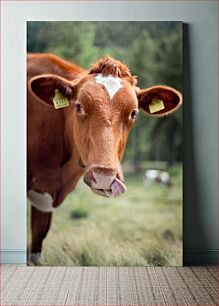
(153, 52)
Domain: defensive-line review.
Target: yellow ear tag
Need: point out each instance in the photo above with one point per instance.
(60, 100)
(156, 105)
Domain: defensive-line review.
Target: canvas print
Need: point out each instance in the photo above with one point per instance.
(104, 143)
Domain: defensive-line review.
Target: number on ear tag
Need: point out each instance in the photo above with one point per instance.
(60, 100)
(156, 105)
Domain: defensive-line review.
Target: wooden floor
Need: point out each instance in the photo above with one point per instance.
(23, 285)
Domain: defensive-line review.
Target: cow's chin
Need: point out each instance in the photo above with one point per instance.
(117, 188)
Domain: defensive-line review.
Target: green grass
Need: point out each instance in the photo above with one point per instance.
(141, 227)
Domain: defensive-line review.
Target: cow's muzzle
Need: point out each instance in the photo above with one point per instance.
(104, 181)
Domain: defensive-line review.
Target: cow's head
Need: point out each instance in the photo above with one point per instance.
(104, 105)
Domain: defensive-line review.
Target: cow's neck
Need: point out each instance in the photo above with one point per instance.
(57, 176)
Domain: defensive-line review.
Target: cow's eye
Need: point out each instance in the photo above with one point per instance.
(79, 107)
(133, 114)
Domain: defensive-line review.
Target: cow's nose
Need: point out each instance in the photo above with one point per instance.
(100, 177)
(104, 179)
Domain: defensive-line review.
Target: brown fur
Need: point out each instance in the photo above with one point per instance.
(40, 224)
(40, 63)
(110, 66)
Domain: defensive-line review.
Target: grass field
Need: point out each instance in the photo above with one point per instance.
(141, 227)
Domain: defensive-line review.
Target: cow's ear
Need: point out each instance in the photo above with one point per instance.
(48, 86)
(159, 100)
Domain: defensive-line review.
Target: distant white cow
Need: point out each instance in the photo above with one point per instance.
(157, 176)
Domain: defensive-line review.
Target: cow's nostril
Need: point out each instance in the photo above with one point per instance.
(86, 181)
(89, 178)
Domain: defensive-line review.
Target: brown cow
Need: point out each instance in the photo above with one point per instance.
(88, 136)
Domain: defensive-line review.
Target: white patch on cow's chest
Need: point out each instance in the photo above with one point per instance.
(41, 201)
(112, 84)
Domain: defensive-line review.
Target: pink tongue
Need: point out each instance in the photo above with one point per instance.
(117, 187)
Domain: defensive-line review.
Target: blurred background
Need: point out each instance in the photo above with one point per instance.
(143, 226)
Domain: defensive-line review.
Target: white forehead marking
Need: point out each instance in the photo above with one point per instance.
(112, 84)
(41, 201)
